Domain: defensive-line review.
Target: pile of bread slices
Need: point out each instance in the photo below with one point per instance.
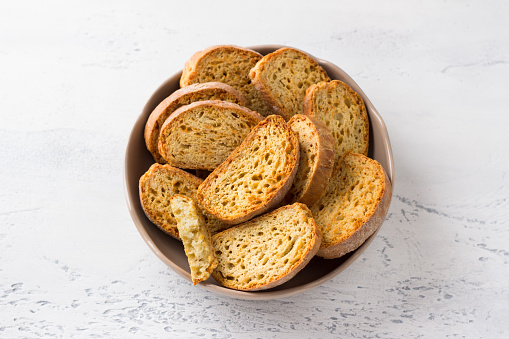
(260, 164)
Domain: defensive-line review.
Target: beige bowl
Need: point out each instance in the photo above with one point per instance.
(171, 252)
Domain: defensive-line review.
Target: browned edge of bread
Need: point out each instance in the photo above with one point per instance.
(311, 110)
(164, 220)
(286, 275)
(189, 73)
(278, 192)
(164, 148)
(272, 100)
(181, 97)
(367, 229)
(323, 163)
(229, 64)
(169, 224)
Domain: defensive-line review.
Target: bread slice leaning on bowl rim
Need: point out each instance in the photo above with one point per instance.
(266, 251)
(353, 206)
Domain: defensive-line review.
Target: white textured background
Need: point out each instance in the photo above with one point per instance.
(74, 76)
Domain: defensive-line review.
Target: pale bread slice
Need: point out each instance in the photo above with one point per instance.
(195, 237)
(266, 251)
(158, 185)
(203, 134)
(283, 76)
(353, 206)
(316, 145)
(256, 176)
(182, 97)
(343, 112)
(229, 64)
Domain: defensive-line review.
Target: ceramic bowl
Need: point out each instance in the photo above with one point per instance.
(171, 252)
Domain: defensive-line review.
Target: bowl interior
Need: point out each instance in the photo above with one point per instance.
(138, 159)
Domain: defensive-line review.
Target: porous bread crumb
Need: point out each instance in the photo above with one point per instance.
(283, 76)
(195, 237)
(266, 251)
(256, 176)
(202, 135)
(357, 188)
(183, 97)
(343, 112)
(227, 64)
(158, 185)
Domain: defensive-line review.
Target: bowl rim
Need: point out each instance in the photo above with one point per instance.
(267, 294)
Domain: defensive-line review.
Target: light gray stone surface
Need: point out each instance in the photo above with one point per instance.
(75, 76)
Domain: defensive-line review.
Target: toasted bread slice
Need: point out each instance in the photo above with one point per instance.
(354, 205)
(195, 236)
(316, 145)
(203, 134)
(343, 112)
(181, 97)
(158, 185)
(228, 64)
(267, 251)
(283, 76)
(256, 176)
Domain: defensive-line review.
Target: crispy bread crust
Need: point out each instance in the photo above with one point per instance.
(311, 110)
(271, 99)
(168, 228)
(212, 63)
(164, 150)
(182, 97)
(285, 276)
(370, 225)
(191, 67)
(323, 166)
(168, 224)
(272, 199)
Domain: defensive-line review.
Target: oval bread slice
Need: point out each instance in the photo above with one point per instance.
(354, 205)
(195, 236)
(283, 76)
(203, 134)
(228, 64)
(343, 112)
(158, 185)
(256, 176)
(316, 145)
(267, 251)
(181, 97)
